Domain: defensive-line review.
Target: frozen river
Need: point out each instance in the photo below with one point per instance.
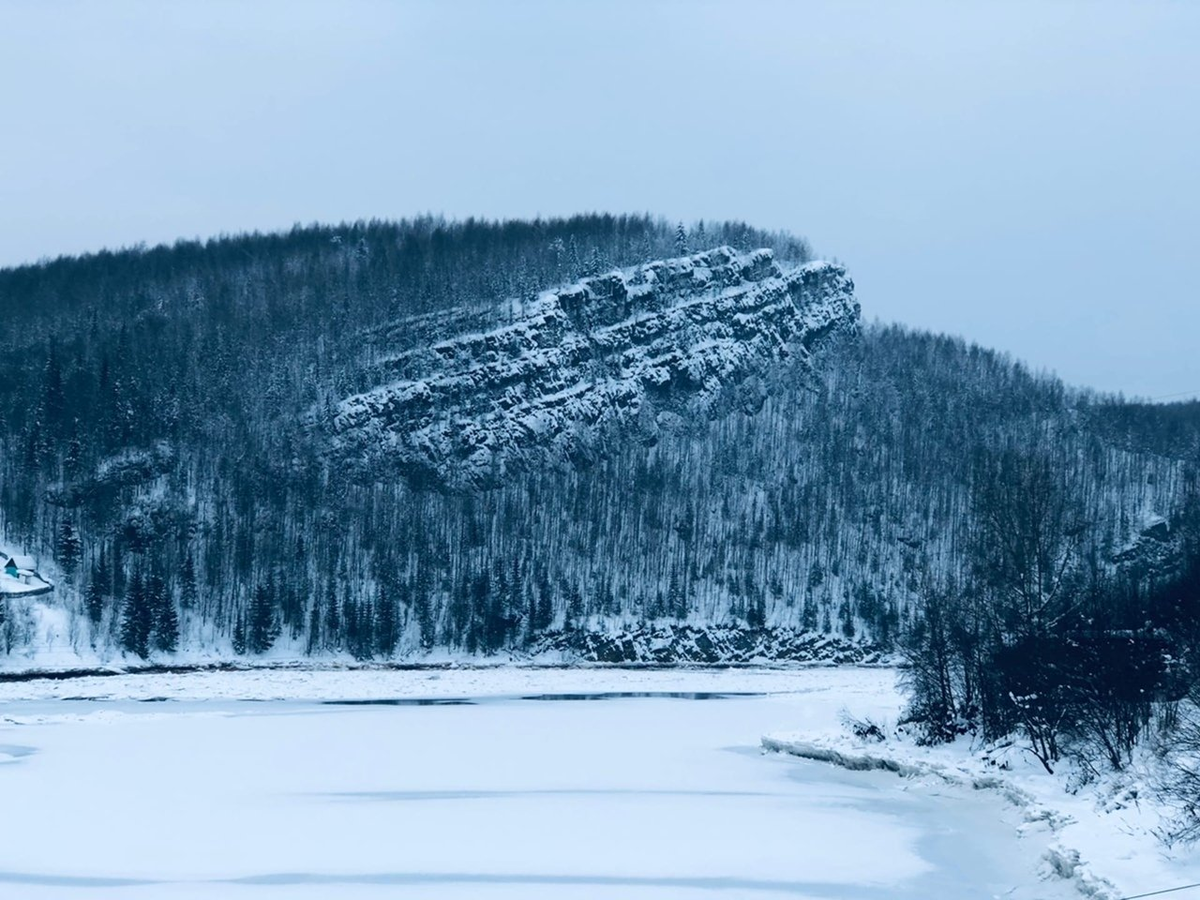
(616, 785)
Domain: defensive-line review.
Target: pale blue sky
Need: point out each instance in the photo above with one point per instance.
(1024, 174)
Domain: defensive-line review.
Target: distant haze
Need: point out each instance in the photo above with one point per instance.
(1024, 174)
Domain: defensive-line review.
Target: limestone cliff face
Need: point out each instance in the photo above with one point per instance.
(613, 357)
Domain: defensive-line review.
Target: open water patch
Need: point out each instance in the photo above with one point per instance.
(405, 701)
(647, 695)
(553, 697)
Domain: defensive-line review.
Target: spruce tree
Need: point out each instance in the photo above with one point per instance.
(68, 548)
(262, 627)
(423, 602)
(165, 618)
(313, 644)
(676, 598)
(575, 608)
(188, 589)
(545, 603)
(73, 457)
(93, 600)
(386, 624)
(239, 634)
(531, 612)
(54, 398)
(350, 617)
(166, 632)
(136, 618)
(333, 619)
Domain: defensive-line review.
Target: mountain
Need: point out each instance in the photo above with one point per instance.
(601, 437)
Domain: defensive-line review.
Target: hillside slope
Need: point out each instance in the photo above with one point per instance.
(376, 441)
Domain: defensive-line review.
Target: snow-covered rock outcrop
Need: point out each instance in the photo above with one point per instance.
(625, 353)
(675, 644)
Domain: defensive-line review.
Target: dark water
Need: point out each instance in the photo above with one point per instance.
(604, 695)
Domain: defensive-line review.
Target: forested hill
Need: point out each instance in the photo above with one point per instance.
(604, 436)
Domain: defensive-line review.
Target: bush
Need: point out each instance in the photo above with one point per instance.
(864, 729)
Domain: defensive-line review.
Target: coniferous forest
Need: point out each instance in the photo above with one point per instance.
(165, 455)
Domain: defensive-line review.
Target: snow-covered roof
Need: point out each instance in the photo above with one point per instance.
(29, 585)
(22, 562)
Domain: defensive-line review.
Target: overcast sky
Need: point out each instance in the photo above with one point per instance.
(1025, 175)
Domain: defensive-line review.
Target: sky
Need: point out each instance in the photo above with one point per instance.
(1023, 174)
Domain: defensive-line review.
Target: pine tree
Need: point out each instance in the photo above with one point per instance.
(676, 597)
(239, 634)
(808, 614)
(188, 589)
(531, 612)
(99, 589)
(313, 645)
(333, 619)
(136, 618)
(164, 620)
(595, 264)
(497, 612)
(93, 601)
(54, 397)
(756, 608)
(424, 611)
(479, 627)
(681, 241)
(545, 603)
(364, 642)
(575, 609)
(606, 599)
(291, 608)
(353, 626)
(846, 618)
(73, 456)
(386, 623)
(262, 626)
(68, 548)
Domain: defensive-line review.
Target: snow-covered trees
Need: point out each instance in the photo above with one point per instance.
(68, 548)
(149, 620)
(192, 384)
(137, 618)
(1042, 640)
(165, 618)
(262, 621)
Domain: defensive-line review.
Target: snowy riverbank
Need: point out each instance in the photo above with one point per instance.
(1100, 830)
(498, 782)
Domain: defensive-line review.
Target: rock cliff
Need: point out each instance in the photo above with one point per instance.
(620, 355)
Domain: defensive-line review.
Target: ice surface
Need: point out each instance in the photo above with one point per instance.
(630, 797)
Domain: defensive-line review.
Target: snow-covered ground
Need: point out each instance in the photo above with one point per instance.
(208, 795)
(11, 586)
(1101, 826)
